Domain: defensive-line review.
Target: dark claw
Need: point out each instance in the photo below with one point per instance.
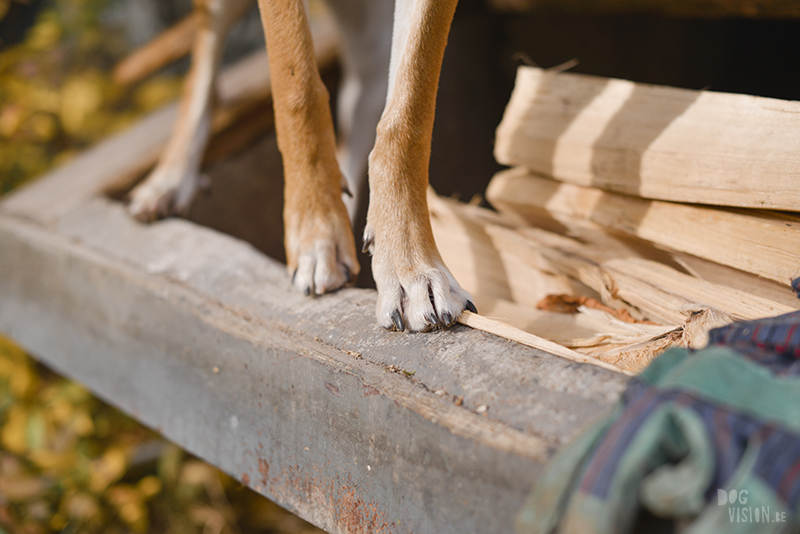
(347, 274)
(471, 307)
(432, 319)
(307, 291)
(294, 275)
(365, 248)
(447, 319)
(397, 320)
(346, 190)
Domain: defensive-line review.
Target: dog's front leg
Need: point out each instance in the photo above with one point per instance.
(170, 188)
(416, 291)
(320, 249)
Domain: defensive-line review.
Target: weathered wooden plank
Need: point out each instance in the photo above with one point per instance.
(303, 408)
(654, 142)
(766, 244)
(684, 8)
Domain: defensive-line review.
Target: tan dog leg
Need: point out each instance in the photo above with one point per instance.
(416, 291)
(320, 249)
(171, 187)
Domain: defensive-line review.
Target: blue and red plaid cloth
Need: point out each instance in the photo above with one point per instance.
(709, 438)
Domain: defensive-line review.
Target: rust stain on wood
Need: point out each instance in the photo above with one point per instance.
(263, 468)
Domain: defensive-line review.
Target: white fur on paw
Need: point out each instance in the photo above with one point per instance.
(424, 300)
(324, 267)
(167, 191)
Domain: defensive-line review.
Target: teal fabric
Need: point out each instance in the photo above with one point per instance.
(692, 425)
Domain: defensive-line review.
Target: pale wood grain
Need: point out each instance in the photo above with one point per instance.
(766, 244)
(654, 142)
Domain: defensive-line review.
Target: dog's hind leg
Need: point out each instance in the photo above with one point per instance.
(170, 188)
(365, 47)
(320, 249)
(416, 291)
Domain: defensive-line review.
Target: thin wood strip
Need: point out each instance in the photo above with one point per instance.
(503, 330)
(654, 142)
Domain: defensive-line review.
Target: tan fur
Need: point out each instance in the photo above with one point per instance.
(316, 222)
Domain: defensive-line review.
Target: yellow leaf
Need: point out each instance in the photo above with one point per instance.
(12, 435)
(43, 127)
(109, 468)
(80, 98)
(54, 461)
(197, 473)
(58, 521)
(61, 410)
(24, 381)
(130, 506)
(11, 117)
(10, 351)
(157, 92)
(80, 506)
(82, 424)
(35, 431)
(44, 35)
(148, 487)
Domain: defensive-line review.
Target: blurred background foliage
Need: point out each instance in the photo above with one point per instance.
(56, 93)
(68, 462)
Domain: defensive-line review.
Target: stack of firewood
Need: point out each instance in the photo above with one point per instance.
(634, 217)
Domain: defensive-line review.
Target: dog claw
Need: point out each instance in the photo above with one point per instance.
(346, 191)
(397, 320)
(447, 319)
(471, 307)
(307, 291)
(366, 247)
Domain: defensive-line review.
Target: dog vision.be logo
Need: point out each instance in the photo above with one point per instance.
(739, 512)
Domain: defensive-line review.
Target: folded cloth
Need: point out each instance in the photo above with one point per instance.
(710, 438)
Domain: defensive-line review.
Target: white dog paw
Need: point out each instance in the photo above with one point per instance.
(166, 192)
(418, 295)
(321, 256)
(324, 267)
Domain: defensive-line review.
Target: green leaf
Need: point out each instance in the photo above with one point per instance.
(35, 431)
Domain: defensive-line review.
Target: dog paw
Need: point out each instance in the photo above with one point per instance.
(321, 255)
(416, 292)
(166, 192)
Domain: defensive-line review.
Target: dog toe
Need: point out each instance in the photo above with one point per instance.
(422, 301)
(164, 193)
(324, 267)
